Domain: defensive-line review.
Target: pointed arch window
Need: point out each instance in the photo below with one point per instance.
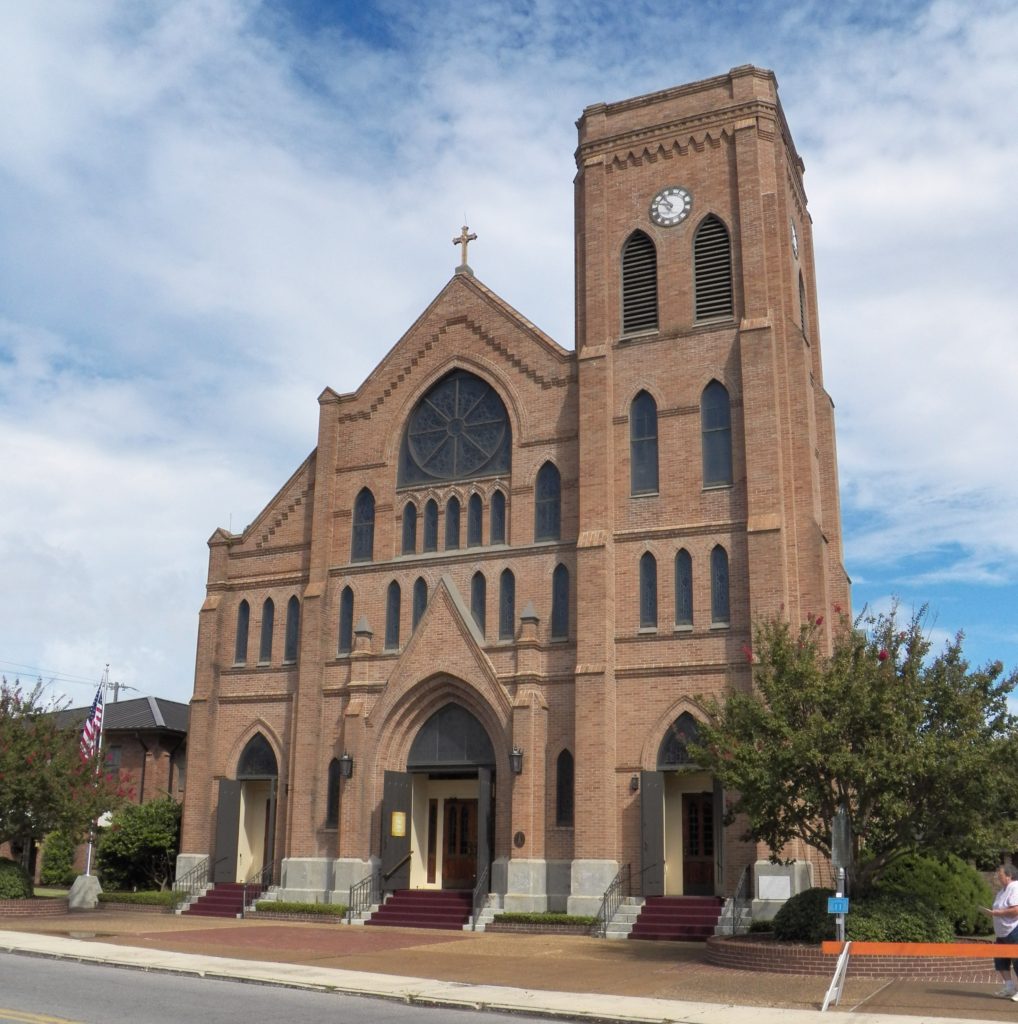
(712, 270)
(674, 750)
(475, 517)
(643, 445)
(257, 760)
(332, 795)
(548, 503)
(431, 525)
(507, 605)
(479, 599)
(346, 621)
(496, 519)
(410, 529)
(716, 434)
(648, 591)
(452, 524)
(802, 307)
(291, 640)
(363, 541)
(268, 623)
(683, 589)
(564, 790)
(560, 603)
(420, 599)
(243, 624)
(392, 602)
(639, 284)
(720, 608)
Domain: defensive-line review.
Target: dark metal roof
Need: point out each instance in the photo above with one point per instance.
(138, 713)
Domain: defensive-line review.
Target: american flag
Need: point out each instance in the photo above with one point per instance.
(93, 725)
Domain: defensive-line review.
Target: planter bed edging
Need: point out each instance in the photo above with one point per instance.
(751, 953)
(37, 906)
(534, 928)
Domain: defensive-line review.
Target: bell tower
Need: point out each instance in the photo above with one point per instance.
(697, 344)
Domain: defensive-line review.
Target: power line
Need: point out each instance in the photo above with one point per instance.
(51, 676)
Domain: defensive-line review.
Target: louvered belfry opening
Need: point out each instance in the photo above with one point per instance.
(712, 270)
(639, 284)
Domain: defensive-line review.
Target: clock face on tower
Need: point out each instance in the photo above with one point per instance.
(671, 206)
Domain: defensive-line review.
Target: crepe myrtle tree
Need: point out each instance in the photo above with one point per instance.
(46, 784)
(919, 749)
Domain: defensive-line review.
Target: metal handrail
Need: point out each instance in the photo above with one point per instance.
(479, 897)
(741, 899)
(259, 880)
(388, 874)
(362, 895)
(195, 881)
(612, 900)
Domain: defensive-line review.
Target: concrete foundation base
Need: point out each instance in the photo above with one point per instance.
(588, 881)
(84, 894)
(777, 883)
(536, 886)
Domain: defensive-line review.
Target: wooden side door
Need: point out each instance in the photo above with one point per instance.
(396, 806)
(698, 844)
(224, 865)
(652, 831)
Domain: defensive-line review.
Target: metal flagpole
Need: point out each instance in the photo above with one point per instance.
(98, 764)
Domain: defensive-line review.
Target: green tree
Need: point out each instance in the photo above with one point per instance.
(58, 859)
(46, 784)
(139, 847)
(918, 749)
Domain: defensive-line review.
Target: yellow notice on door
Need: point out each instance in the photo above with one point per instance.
(397, 827)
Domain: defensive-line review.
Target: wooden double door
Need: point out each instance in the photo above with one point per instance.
(459, 844)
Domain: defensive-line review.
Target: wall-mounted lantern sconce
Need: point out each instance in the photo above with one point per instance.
(516, 761)
(634, 784)
(346, 765)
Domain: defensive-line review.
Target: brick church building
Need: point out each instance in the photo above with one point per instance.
(468, 641)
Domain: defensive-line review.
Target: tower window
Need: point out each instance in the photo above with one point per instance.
(475, 514)
(802, 306)
(548, 504)
(268, 621)
(560, 603)
(507, 605)
(648, 591)
(240, 644)
(719, 599)
(292, 636)
(479, 599)
(716, 435)
(452, 524)
(639, 284)
(363, 541)
(712, 270)
(420, 599)
(392, 601)
(496, 524)
(643, 445)
(346, 621)
(683, 589)
(410, 529)
(431, 525)
(564, 802)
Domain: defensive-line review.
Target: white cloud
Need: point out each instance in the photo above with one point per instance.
(213, 210)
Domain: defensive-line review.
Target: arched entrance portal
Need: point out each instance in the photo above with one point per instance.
(246, 814)
(681, 817)
(437, 815)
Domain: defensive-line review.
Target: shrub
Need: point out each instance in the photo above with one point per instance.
(545, 917)
(166, 898)
(14, 881)
(291, 907)
(58, 860)
(897, 918)
(804, 918)
(140, 846)
(951, 885)
(761, 926)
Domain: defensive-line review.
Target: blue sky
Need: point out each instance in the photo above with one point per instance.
(213, 209)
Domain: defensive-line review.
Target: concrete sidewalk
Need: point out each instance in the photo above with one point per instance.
(570, 977)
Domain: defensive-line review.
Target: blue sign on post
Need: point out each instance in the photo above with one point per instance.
(837, 904)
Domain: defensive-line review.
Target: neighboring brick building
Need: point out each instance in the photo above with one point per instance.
(503, 546)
